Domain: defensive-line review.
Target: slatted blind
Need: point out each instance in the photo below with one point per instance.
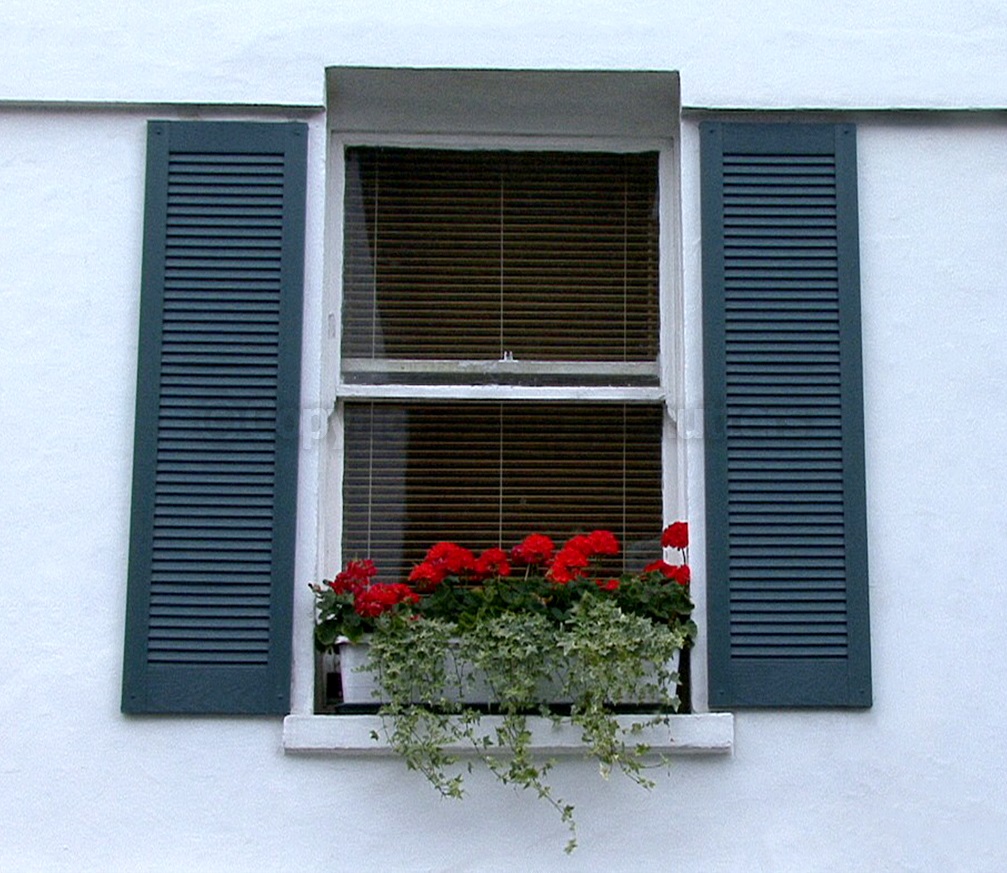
(473, 254)
(215, 461)
(785, 491)
(489, 474)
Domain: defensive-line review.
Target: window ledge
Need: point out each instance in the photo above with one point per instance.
(702, 733)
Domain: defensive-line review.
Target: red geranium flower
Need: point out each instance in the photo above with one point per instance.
(533, 549)
(492, 562)
(454, 558)
(681, 574)
(356, 575)
(372, 602)
(569, 564)
(676, 535)
(676, 572)
(599, 542)
(609, 585)
(580, 543)
(427, 576)
(603, 542)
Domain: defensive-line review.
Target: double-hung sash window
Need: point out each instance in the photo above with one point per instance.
(500, 367)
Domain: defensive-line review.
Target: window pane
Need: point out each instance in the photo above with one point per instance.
(473, 254)
(487, 474)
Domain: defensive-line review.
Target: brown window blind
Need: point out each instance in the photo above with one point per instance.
(471, 255)
(485, 474)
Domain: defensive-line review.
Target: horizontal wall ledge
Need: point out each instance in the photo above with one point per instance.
(194, 111)
(696, 734)
(850, 114)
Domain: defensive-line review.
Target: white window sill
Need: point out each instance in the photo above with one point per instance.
(702, 733)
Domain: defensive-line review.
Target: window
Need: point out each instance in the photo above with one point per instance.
(478, 272)
(491, 255)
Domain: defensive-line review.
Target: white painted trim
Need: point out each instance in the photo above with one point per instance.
(523, 142)
(313, 427)
(365, 109)
(504, 366)
(584, 394)
(691, 411)
(706, 733)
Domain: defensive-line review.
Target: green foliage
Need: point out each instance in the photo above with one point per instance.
(336, 617)
(469, 634)
(512, 651)
(616, 657)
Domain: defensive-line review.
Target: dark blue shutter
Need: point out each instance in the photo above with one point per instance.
(786, 516)
(208, 627)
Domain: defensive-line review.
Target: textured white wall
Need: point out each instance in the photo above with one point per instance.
(913, 784)
(916, 783)
(782, 53)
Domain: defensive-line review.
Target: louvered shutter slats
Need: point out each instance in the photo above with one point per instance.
(786, 518)
(215, 460)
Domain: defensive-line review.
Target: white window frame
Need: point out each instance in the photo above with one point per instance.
(401, 127)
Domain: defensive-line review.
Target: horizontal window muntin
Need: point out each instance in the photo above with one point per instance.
(366, 371)
(483, 257)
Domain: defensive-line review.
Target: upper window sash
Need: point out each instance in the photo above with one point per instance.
(628, 250)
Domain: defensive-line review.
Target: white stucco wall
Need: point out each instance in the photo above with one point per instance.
(915, 783)
(784, 53)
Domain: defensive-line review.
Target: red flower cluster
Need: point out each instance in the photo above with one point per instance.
(377, 599)
(492, 562)
(348, 604)
(356, 576)
(571, 562)
(533, 549)
(450, 559)
(370, 598)
(676, 572)
(676, 536)
(575, 557)
(442, 560)
(599, 542)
